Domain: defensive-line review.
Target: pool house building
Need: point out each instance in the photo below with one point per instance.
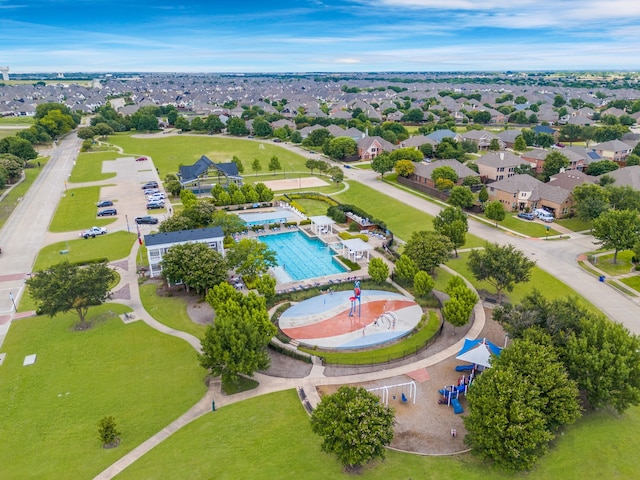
(158, 243)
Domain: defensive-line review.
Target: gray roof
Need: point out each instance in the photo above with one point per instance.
(438, 135)
(570, 179)
(183, 236)
(191, 172)
(527, 183)
(612, 146)
(425, 170)
(500, 159)
(626, 176)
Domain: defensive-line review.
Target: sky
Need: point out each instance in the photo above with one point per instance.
(318, 35)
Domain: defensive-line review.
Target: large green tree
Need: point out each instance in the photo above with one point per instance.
(405, 269)
(274, 164)
(428, 249)
(65, 287)
(495, 211)
(382, 164)
(341, 147)
(503, 266)
(452, 223)
(250, 257)
(591, 201)
(19, 147)
(354, 425)
(461, 197)
(553, 163)
(195, 264)
(261, 127)
(378, 270)
(517, 406)
(236, 126)
(236, 343)
(617, 230)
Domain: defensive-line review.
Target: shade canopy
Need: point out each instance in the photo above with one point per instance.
(478, 352)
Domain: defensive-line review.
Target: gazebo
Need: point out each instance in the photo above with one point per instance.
(321, 224)
(355, 249)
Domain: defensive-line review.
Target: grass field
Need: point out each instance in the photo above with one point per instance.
(27, 121)
(171, 151)
(112, 246)
(313, 207)
(51, 409)
(574, 224)
(270, 437)
(623, 265)
(4, 133)
(88, 167)
(77, 211)
(170, 311)
(10, 202)
(400, 218)
(525, 227)
(633, 282)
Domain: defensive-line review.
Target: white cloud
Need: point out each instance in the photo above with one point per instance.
(347, 60)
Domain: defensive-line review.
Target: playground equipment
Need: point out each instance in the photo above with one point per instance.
(355, 299)
(384, 392)
(450, 393)
(387, 319)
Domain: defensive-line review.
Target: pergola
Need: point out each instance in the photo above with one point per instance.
(355, 249)
(321, 224)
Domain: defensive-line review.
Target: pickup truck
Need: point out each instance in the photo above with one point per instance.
(92, 232)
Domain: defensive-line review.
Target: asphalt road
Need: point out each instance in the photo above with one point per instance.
(22, 235)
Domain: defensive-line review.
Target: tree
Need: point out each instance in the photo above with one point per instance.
(623, 198)
(544, 140)
(188, 198)
(501, 265)
(553, 163)
(444, 171)
(236, 126)
(172, 116)
(86, 133)
(461, 197)
(604, 359)
(520, 145)
(238, 163)
(56, 123)
(102, 129)
(65, 287)
(483, 195)
(494, 145)
(428, 249)
(456, 312)
(495, 211)
(261, 127)
(194, 264)
(230, 223)
(482, 117)
(236, 344)
(182, 123)
(266, 286)
(336, 174)
(251, 257)
(617, 229)
(317, 138)
(452, 223)
(198, 125)
(405, 270)
(570, 133)
(274, 164)
(407, 153)
(213, 124)
(423, 284)
(341, 147)
(378, 270)
(311, 163)
(591, 201)
(19, 147)
(601, 167)
(516, 407)
(427, 150)
(108, 432)
(415, 115)
(296, 137)
(382, 164)
(405, 168)
(354, 425)
(11, 166)
(559, 101)
(255, 166)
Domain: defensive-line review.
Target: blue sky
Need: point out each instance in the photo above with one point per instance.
(317, 35)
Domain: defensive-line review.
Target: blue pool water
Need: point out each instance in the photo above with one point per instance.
(301, 257)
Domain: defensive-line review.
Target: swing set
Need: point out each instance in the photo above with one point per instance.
(392, 389)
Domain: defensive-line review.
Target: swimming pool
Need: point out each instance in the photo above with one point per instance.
(300, 257)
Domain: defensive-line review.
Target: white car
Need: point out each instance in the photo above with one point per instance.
(93, 231)
(155, 197)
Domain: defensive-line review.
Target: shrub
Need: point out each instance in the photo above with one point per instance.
(348, 236)
(305, 222)
(107, 431)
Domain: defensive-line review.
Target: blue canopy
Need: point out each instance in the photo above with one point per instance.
(478, 351)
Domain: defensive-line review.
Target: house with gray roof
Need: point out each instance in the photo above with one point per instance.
(158, 243)
(570, 179)
(499, 165)
(423, 172)
(615, 150)
(626, 177)
(482, 138)
(438, 135)
(522, 192)
(370, 147)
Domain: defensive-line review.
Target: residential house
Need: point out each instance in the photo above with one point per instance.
(438, 135)
(508, 137)
(538, 156)
(615, 150)
(626, 176)
(499, 165)
(570, 179)
(370, 147)
(423, 171)
(417, 141)
(482, 138)
(525, 193)
(157, 244)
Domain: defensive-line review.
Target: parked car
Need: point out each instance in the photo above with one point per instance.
(526, 215)
(93, 231)
(148, 220)
(107, 212)
(105, 203)
(249, 136)
(151, 184)
(543, 215)
(151, 191)
(141, 159)
(154, 205)
(277, 140)
(155, 197)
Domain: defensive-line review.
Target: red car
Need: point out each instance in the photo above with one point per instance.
(141, 159)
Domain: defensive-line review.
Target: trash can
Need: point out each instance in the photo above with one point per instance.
(601, 278)
(213, 405)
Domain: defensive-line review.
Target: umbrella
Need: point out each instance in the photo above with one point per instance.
(478, 352)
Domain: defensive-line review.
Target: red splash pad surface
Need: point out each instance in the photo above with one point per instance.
(341, 323)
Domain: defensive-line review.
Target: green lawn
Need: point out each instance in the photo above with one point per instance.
(633, 282)
(88, 167)
(525, 227)
(623, 265)
(400, 218)
(170, 311)
(174, 150)
(112, 246)
(574, 224)
(51, 409)
(270, 437)
(313, 207)
(10, 202)
(77, 211)
(17, 121)
(4, 133)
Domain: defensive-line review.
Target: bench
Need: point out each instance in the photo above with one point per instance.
(491, 300)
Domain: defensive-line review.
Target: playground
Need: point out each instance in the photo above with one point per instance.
(426, 426)
(351, 319)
